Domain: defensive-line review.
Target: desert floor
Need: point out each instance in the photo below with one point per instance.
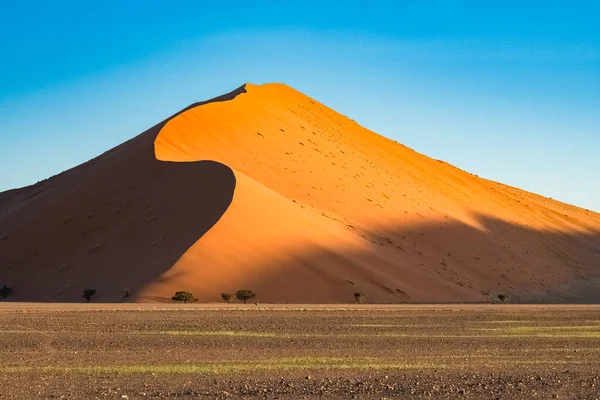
(293, 351)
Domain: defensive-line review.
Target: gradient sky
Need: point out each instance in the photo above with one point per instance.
(509, 91)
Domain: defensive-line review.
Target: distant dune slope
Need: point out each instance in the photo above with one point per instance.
(268, 189)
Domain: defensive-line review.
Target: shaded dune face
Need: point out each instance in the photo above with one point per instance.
(119, 221)
(436, 262)
(265, 188)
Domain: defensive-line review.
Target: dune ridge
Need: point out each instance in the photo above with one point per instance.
(319, 207)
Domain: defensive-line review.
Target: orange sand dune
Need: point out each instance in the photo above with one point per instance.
(268, 189)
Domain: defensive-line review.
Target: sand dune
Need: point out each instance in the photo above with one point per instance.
(268, 189)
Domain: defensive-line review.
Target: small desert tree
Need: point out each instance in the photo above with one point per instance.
(88, 294)
(227, 297)
(360, 297)
(5, 291)
(502, 297)
(245, 295)
(184, 296)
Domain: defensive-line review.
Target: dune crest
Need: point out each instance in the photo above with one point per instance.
(319, 207)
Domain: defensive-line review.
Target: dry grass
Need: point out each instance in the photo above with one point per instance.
(275, 364)
(573, 331)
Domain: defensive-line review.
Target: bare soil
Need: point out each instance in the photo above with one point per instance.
(289, 352)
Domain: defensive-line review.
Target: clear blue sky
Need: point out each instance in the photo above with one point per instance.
(507, 90)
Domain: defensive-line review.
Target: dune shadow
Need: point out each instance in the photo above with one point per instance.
(445, 261)
(116, 222)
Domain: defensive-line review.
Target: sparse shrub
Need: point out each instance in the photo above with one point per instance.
(227, 297)
(503, 298)
(88, 294)
(184, 296)
(5, 291)
(360, 297)
(245, 295)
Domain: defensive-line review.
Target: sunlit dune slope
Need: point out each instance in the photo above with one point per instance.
(324, 206)
(321, 208)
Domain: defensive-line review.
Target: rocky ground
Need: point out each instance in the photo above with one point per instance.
(258, 352)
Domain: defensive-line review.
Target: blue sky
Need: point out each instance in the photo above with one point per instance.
(509, 91)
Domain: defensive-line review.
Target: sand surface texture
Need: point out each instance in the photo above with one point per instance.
(268, 189)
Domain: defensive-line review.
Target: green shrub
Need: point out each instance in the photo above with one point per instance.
(5, 291)
(359, 297)
(88, 294)
(184, 296)
(245, 295)
(227, 297)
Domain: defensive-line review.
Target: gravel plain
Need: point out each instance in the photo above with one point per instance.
(290, 352)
